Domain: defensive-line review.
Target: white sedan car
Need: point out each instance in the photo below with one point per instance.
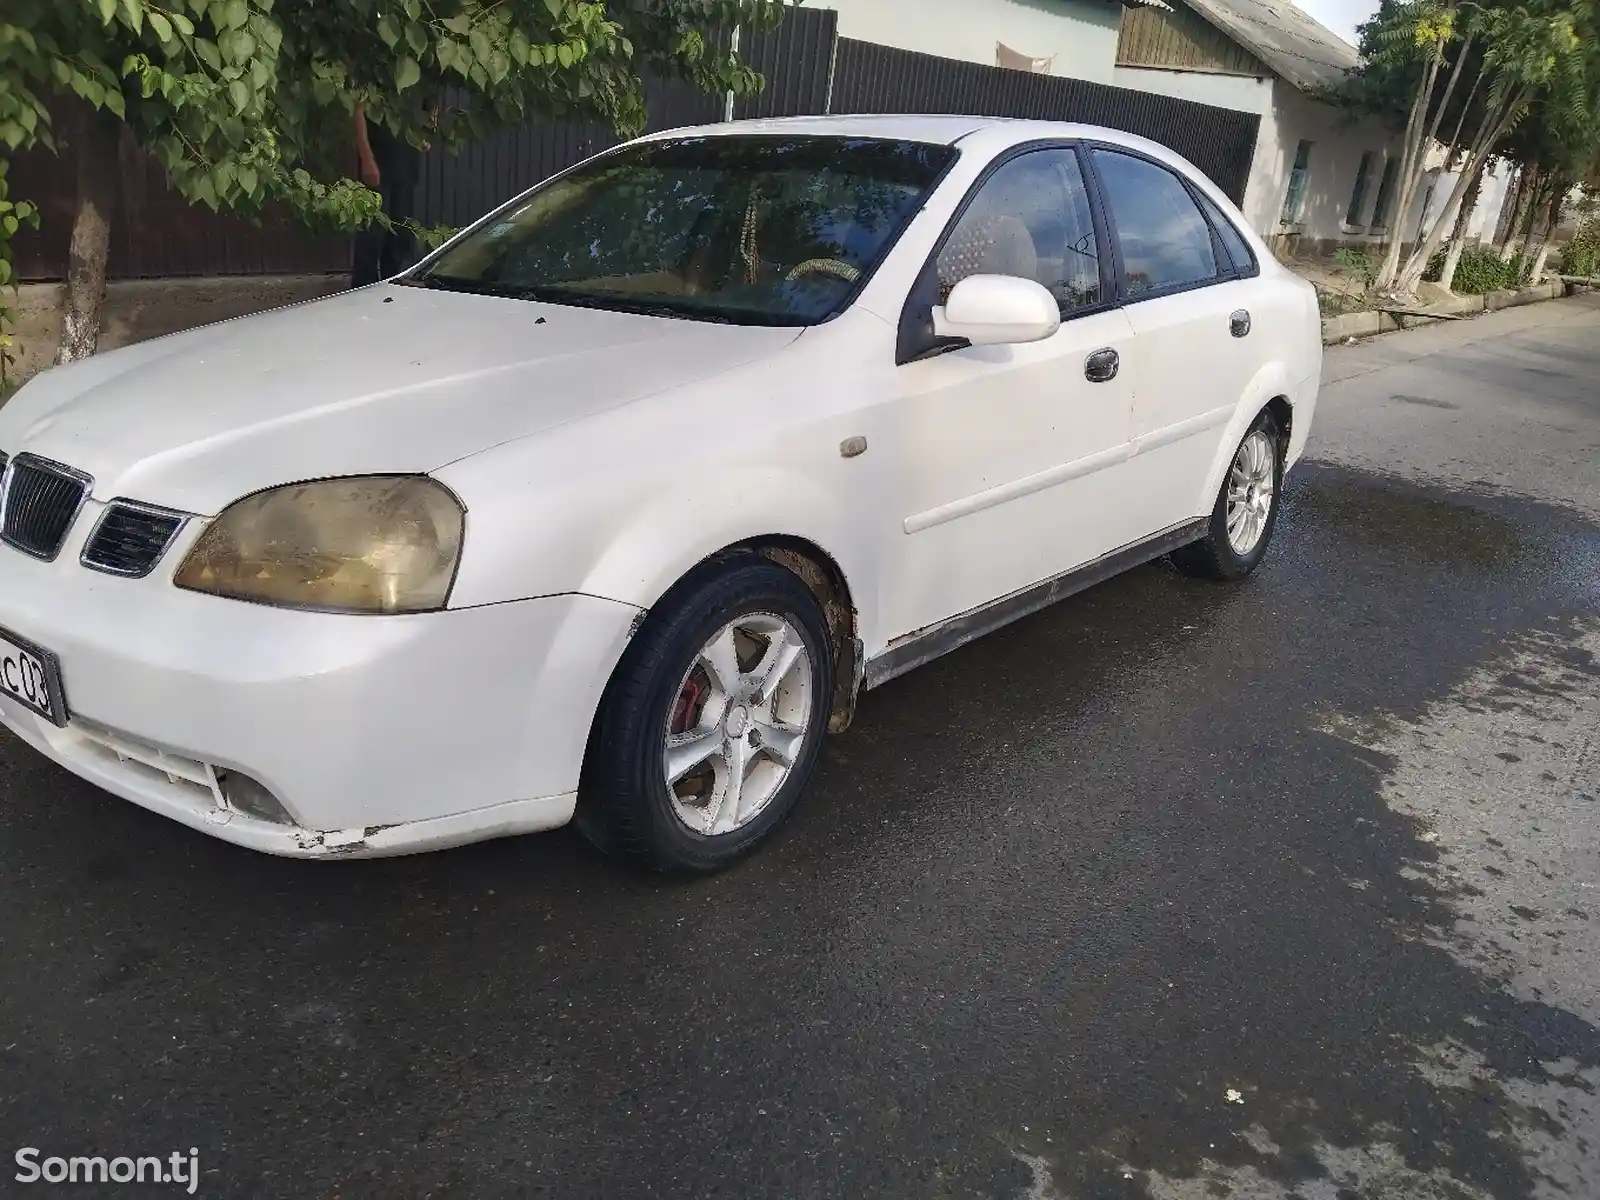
(609, 509)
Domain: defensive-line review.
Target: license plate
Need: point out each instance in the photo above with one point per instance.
(32, 677)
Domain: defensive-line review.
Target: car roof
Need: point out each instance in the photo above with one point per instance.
(933, 128)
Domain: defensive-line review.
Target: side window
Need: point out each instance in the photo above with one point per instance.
(1030, 218)
(1232, 240)
(1164, 240)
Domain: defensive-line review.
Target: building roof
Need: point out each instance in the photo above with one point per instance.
(1297, 47)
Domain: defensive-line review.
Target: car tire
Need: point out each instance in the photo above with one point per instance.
(677, 690)
(1227, 551)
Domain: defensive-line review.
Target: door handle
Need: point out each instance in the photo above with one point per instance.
(1239, 322)
(1101, 366)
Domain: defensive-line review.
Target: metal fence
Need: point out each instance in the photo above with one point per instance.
(808, 69)
(457, 189)
(155, 233)
(794, 59)
(870, 78)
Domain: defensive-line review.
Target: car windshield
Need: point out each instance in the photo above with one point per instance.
(748, 229)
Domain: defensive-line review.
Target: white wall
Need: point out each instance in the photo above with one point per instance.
(1245, 93)
(1337, 146)
(1081, 34)
(1336, 149)
(1491, 195)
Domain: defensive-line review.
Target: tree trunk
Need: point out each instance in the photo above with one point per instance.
(1552, 215)
(1530, 236)
(98, 185)
(1508, 209)
(1537, 274)
(1458, 236)
(1411, 160)
(1493, 129)
(1525, 194)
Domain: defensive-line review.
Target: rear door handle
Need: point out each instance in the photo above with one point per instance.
(1239, 322)
(1101, 366)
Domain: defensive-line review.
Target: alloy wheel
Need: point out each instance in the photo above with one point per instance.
(734, 733)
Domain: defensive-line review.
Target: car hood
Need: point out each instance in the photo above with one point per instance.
(388, 379)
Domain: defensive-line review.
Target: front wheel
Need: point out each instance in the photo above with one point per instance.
(1246, 511)
(713, 721)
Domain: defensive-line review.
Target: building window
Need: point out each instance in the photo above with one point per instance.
(1380, 210)
(1295, 198)
(1358, 195)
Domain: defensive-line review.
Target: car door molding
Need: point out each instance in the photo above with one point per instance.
(913, 650)
(1179, 430)
(1018, 488)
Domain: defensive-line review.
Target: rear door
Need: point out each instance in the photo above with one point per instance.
(1191, 312)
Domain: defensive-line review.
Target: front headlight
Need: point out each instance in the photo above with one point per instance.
(373, 544)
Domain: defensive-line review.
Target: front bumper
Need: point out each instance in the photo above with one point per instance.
(378, 735)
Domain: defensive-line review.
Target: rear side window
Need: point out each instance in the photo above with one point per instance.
(1244, 263)
(1165, 241)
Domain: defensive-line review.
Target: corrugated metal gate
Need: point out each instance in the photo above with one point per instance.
(795, 60)
(807, 67)
(155, 232)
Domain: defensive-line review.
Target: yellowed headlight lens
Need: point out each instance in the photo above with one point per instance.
(369, 544)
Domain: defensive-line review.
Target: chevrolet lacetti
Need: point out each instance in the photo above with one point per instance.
(608, 509)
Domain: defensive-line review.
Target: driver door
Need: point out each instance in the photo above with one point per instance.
(1010, 454)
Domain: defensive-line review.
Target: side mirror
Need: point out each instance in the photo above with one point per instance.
(997, 310)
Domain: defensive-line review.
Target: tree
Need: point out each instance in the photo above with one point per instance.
(1513, 55)
(247, 103)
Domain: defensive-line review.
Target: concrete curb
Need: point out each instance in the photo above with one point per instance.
(1368, 324)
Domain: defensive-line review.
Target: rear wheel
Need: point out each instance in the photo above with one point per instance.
(713, 721)
(1246, 511)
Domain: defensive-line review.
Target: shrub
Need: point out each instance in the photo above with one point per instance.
(1480, 270)
(1582, 254)
(1359, 263)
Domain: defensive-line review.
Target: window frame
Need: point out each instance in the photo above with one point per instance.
(1358, 191)
(1250, 270)
(1384, 199)
(1227, 270)
(1294, 192)
(915, 340)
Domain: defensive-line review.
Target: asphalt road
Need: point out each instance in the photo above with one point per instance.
(1172, 891)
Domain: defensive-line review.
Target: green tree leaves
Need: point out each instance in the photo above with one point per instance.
(247, 103)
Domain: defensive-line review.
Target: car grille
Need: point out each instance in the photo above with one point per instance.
(41, 501)
(131, 538)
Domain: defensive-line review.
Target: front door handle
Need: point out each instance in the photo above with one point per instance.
(1239, 322)
(1101, 366)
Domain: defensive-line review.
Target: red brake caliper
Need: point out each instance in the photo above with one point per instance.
(686, 710)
